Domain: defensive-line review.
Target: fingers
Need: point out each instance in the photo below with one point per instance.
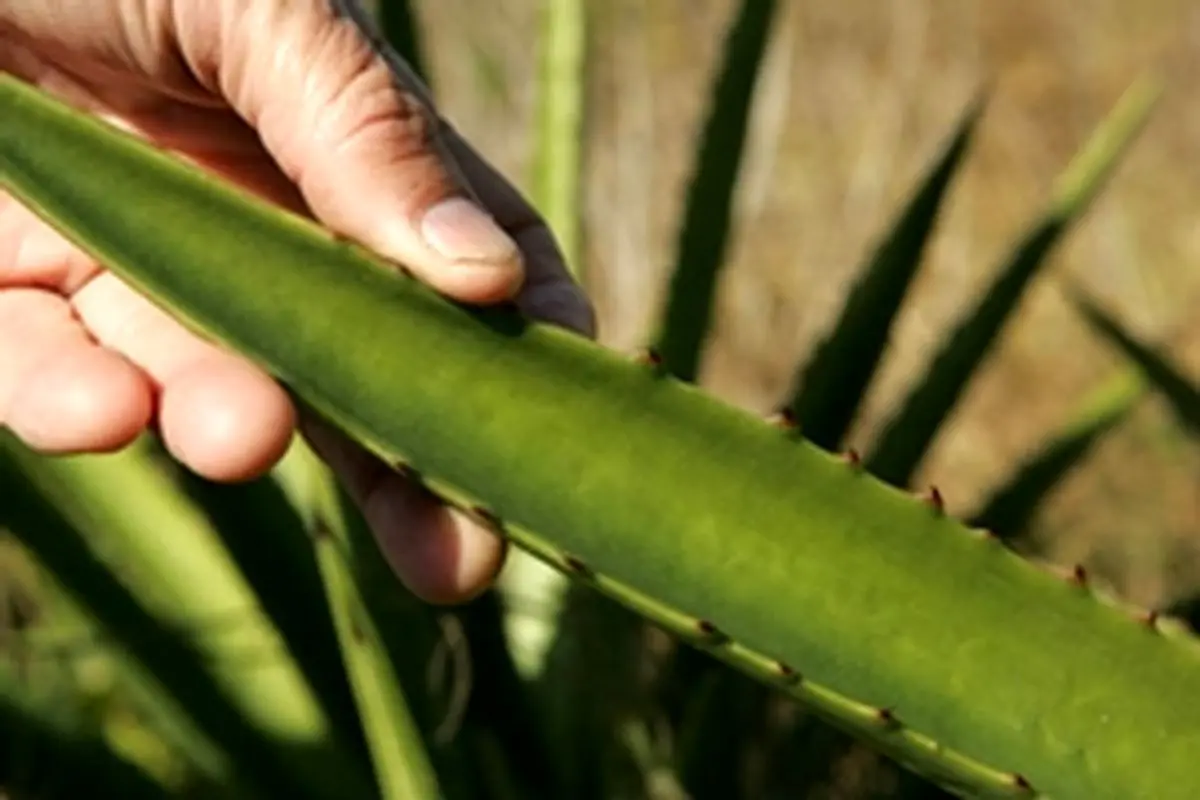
(439, 553)
(217, 413)
(549, 293)
(59, 392)
(364, 153)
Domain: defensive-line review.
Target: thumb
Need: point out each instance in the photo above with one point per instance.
(358, 138)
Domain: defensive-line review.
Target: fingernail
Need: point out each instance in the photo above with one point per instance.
(460, 231)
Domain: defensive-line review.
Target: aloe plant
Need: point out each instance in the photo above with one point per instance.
(864, 602)
(1156, 367)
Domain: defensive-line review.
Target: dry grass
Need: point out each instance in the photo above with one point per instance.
(857, 97)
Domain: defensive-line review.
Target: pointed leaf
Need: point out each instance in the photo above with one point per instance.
(92, 522)
(831, 389)
(402, 764)
(46, 753)
(1012, 505)
(866, 604)
(558, 147)
(908, 436)
(704, 237)
(1160, 372)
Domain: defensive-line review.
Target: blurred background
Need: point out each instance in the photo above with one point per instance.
(856, 99)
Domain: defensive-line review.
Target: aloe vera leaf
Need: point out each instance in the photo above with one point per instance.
(266, 538)
(402, 765)
(830, 389)
(44, 752)
(502, 705)
(1166, 378)
(588, 687)
(558, 145)
(686, 317)
(64, 633)
(906, 439)
(715, 734)
(401, 28)
(572, 704)
(892, 620)
(141, 561)
(827, 395)
(1010, 507)
(410, 650)
(687, 314)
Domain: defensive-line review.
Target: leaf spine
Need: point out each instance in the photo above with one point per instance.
(711, 633)
(935, 500)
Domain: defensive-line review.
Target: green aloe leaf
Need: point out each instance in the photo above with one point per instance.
(1011, 506)
(908, 436)
(555, 191)
(558, 145)
(127, 547)
(831, 388)
(265, 537)
(1159, 371)
(65, 636)
(402, 764)
(454, 728)
(707, 221)
(45, 751)
(863, 602)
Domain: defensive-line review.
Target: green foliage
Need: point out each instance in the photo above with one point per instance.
(257, 632)
(1167, 379)
(886, 616)
(834, 382)
(46, 753)
(704, 236)
(558, 146)
(402, 766)
(1008, 511)
(903, 444)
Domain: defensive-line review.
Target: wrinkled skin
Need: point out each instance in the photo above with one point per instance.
(295, 101)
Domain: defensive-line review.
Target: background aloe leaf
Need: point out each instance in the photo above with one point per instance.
(830, 389)
(100, 524)
(1164, 376)
(827, 396)
(1011, 506)
(701, 252)
(478, 727)
(571, 710)
(909, 434)
(64, 636)
(399, 25)
(46, 753)
(402, 766)
(502, 706)
(265, 536)
(590, 707)
(942, 681)
(558, 145)
(590, 687)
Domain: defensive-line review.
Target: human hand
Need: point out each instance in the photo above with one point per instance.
(296, 101)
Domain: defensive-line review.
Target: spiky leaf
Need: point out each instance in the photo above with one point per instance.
(830, 390)
(893, 621)
(704, 236)
(1164, 376)
(1012, 504)
(909, 434)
